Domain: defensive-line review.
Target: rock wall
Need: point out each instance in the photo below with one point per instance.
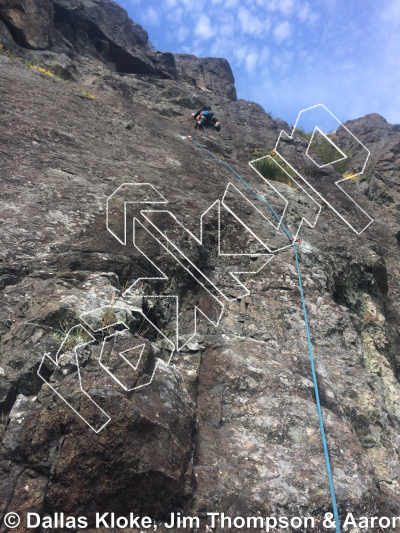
(29, 22)
(231, 424)
(74, 30)
(207, 73)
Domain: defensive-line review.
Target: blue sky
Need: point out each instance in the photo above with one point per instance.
(288, 55)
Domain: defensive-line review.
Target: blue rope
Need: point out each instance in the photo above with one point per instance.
(321, 422)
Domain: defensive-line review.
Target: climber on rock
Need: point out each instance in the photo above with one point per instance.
(205, 117)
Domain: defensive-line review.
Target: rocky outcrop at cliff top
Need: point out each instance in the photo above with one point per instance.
(230, 425)
(384, 164)
(72, 29)
(207, 73)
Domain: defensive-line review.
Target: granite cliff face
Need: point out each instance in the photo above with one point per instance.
(231, 424)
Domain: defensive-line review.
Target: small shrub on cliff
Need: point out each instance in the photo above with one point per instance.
(43, 71)
(88, 95)
(302, 133)
(273, 168)
(325, 150)
(71, 334)
(108, 316)
(7, 53)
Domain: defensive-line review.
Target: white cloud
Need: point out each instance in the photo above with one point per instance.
(240, 52)
(226, 30)
(286, 7)
(175, 16)
(265, 53)
(391, 12)
(265, 73)
(283, 62)
(203, 28)
(282, 31)
(252, 59)
(152, 16)
(181, 33)
(220, 47)
(251, 23)
(306, 15)
(195, 7)
(194, 48)
(257, 59)
(358, 42)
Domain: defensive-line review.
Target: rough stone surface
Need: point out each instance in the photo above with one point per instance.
(103, 28)
(207, 73)
(5, 37)
(29, 21)
(100, 30)
(231, 424)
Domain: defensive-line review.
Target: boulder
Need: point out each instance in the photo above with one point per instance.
(5, 37)
(207, 73)
(102, 19)
(383, 166)
(29, 21)
(103, 28)
(58, 64)
(166, 64)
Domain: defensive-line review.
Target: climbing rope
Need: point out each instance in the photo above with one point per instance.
(292, 240)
